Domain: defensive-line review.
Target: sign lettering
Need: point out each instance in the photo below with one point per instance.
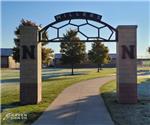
(130, 52)
(78, 15)
(28, 52)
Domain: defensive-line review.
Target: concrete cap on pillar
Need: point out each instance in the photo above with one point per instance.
(127, 26)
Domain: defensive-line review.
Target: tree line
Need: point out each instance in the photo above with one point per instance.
(72, 49)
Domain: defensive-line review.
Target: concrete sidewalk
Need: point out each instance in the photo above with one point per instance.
(79, 104)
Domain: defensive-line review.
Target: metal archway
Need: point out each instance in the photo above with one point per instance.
(69, 16)
(30, 56)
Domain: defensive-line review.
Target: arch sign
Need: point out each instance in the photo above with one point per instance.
(30, 54)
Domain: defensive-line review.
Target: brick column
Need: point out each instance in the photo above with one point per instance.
(30, 65)
(126, 64)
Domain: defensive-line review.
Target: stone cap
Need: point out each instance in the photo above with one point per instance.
(127, 26)
(33, 27)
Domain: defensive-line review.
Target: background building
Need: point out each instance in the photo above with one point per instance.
(7, 60)
(140, 62)
(86, 64)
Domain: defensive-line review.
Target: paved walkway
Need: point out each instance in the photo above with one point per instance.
(79, 104)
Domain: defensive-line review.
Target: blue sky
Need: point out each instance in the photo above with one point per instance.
(113, 13)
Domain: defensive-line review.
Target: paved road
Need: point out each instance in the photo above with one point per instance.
(79, 104)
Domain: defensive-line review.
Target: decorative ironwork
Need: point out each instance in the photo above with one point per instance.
(79, 15)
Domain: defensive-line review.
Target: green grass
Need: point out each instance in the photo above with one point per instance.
(7, 73)
(137, 114)
(51, 88)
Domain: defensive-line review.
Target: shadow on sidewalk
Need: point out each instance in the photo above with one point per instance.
(89, 110)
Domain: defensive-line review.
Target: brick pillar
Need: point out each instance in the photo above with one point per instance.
(30, 65)
(126, 64)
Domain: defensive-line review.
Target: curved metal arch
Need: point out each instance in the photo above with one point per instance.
(78, 15)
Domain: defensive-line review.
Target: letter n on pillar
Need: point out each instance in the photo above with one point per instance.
(30, 65)
(126, 64)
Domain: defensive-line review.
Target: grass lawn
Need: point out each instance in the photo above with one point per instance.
(136, 114)
(54, 82)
